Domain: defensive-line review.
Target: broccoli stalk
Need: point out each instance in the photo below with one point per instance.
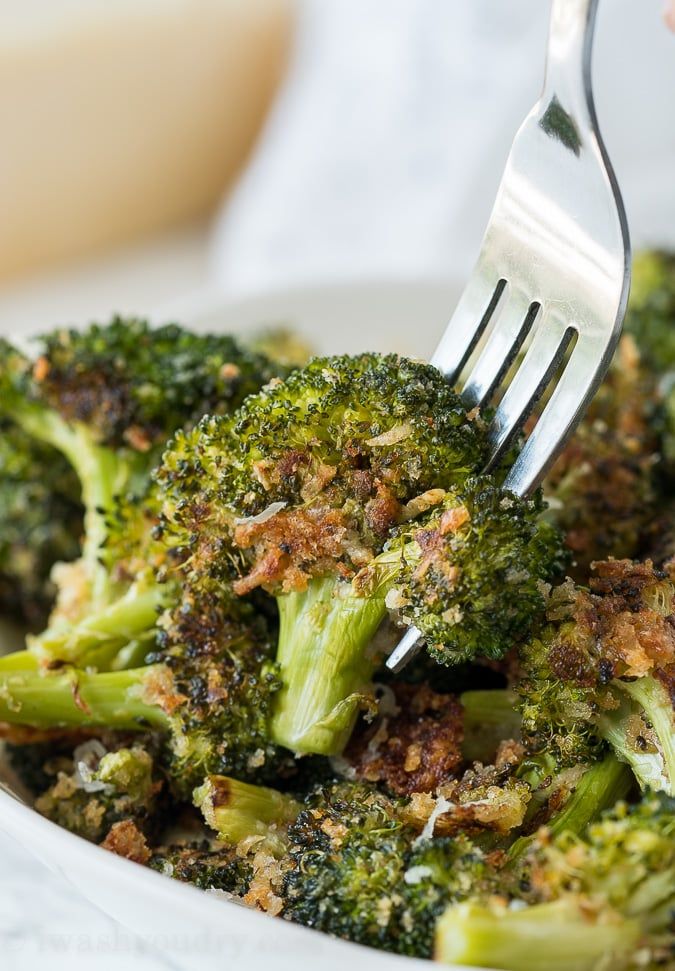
(324, 665)
(236, 810)
(102, 472)
(585, 792)
(78, 699)
(489, 717)
(557, 936)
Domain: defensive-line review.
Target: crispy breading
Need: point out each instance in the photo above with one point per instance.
(416, 750)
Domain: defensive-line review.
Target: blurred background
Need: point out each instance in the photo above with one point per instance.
(155, 147)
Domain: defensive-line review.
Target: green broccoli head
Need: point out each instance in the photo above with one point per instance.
(134, 384)
(108, 397)
(217, 683)
(606, 897)
(203, 866)
(357, 871)
(605, 487)
(96, 789)
(310, 492)
(601, 669)
(40, 523)
(336, 451)
(471, 573)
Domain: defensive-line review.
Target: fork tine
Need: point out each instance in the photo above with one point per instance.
(471, 317)
(575, 388)
(538, 367)
(516, 319)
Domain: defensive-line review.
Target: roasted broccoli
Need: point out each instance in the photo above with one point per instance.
(346, 491)
(601, 671)
(603, 491)
(344, 861)
(40, 523)
(204, 866)
(606, 899)
(208, 691)
(108, 397)
(98, 788)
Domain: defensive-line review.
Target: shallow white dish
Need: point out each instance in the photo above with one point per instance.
(405, 317)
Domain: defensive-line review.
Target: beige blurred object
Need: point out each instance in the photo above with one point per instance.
(118, 119)
(670, 14)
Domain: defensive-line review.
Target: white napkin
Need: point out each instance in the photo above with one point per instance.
(385, 148)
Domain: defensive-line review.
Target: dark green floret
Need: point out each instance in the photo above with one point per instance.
(331, 490)
(108, 397)
(472, 581)
(40, 523)
(358, 872)
(203, 866)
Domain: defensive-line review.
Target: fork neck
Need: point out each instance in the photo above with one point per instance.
(568, 60)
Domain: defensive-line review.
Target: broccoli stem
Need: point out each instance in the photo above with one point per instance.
(78, 699)
(103, 473)
(648, 709)
(490, 717)
(325, 664)
(558, 936)
(236, 810)
(601, 786)
(109, 628)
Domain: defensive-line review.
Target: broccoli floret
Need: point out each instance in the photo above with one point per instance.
(209, 695)
(343, 860)
(357, 871)
(604, 489)
(604, 899)
(471, 577)
(108, 397)
(310, 491)
(203, 866)
(40, 523)
(601, 669)
(103, 788)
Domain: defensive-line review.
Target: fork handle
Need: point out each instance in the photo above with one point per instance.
(568, 59)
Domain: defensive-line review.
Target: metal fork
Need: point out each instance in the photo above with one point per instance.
(554, 265)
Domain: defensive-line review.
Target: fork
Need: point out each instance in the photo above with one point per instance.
(554, 268)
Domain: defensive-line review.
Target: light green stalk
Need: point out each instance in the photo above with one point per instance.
(325, 664)
(557, 936)
(599, 787)
(235, 810)
(72, 699)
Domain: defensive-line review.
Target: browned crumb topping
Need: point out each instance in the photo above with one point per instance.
(126, 840)
(159, 689)
(415, 750)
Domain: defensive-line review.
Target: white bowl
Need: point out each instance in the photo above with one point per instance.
(404, 317)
